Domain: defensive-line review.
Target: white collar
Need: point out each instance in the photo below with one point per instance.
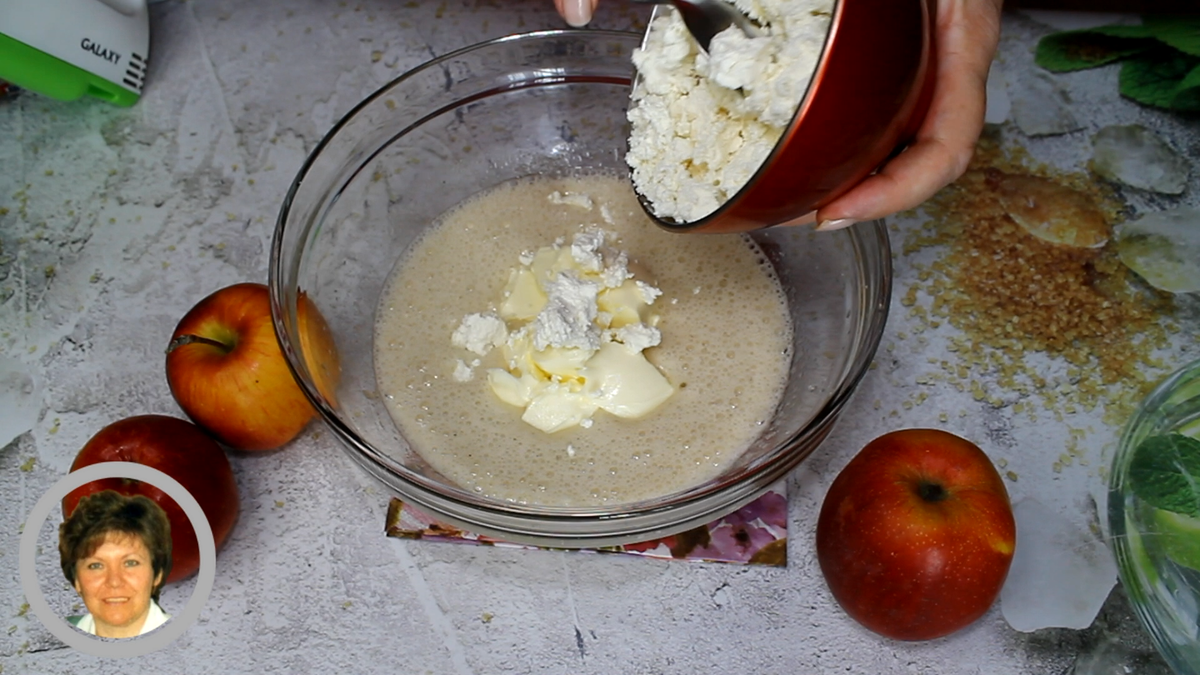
(154, 618)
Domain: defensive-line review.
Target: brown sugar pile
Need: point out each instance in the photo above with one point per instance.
(1012, 294)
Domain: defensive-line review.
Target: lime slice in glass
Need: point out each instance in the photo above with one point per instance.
(1179, 536)
(1142, 564)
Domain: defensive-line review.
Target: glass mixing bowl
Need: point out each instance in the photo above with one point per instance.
(1158, 549)
(547, 103)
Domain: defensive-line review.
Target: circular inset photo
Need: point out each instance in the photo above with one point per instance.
(116, 551)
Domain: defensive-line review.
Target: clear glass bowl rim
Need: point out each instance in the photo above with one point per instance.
(574, 526)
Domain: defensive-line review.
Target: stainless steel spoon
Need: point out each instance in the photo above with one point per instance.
(706, 18)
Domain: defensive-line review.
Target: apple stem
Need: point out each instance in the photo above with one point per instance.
(189, 339)
(931, 492)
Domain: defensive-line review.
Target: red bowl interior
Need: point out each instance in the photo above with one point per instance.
(868, 95)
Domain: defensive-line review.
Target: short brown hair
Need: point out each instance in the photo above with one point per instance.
(109, 512)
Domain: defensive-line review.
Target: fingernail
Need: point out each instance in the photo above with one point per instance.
(826, 225)
(577, 12)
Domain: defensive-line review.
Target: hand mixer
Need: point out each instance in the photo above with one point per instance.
(67, 49)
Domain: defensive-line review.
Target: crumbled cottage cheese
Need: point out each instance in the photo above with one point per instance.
(702, 124)
(580, 323)
(478, 333)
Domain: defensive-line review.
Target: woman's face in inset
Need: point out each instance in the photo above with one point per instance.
(116, 581)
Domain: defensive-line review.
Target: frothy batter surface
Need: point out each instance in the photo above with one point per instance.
(726, 341)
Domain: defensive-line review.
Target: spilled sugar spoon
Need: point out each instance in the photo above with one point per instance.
(705, 18)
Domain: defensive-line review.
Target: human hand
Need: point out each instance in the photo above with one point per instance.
(576, 12)
(966, 35)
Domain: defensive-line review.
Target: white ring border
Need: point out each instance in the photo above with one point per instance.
(57, 625)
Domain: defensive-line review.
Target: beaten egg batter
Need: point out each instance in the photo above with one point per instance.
(725, 349)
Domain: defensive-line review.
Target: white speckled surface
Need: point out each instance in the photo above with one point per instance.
(113, 222)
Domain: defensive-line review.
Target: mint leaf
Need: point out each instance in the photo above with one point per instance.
(1187, 95)
(1142, 30)
(1157, 78)
(1182, 33)
(1080, 49)
(1165, 473)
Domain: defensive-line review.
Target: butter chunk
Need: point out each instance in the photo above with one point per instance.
(562, 362)
(549, 261)
(513, 390)
(581, 322)
(555, 408)
(624, 383)
(523, 296)
(624, 305)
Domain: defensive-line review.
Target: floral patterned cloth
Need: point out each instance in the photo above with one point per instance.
(756, 534)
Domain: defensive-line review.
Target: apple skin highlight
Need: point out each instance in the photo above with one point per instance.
(916, 534)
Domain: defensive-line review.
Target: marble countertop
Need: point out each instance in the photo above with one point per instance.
(114, 221)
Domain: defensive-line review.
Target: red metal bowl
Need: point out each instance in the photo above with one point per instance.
(868, 95)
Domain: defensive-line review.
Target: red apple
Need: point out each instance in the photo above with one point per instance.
(227, 372)
(182, 451)
(916, 534)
